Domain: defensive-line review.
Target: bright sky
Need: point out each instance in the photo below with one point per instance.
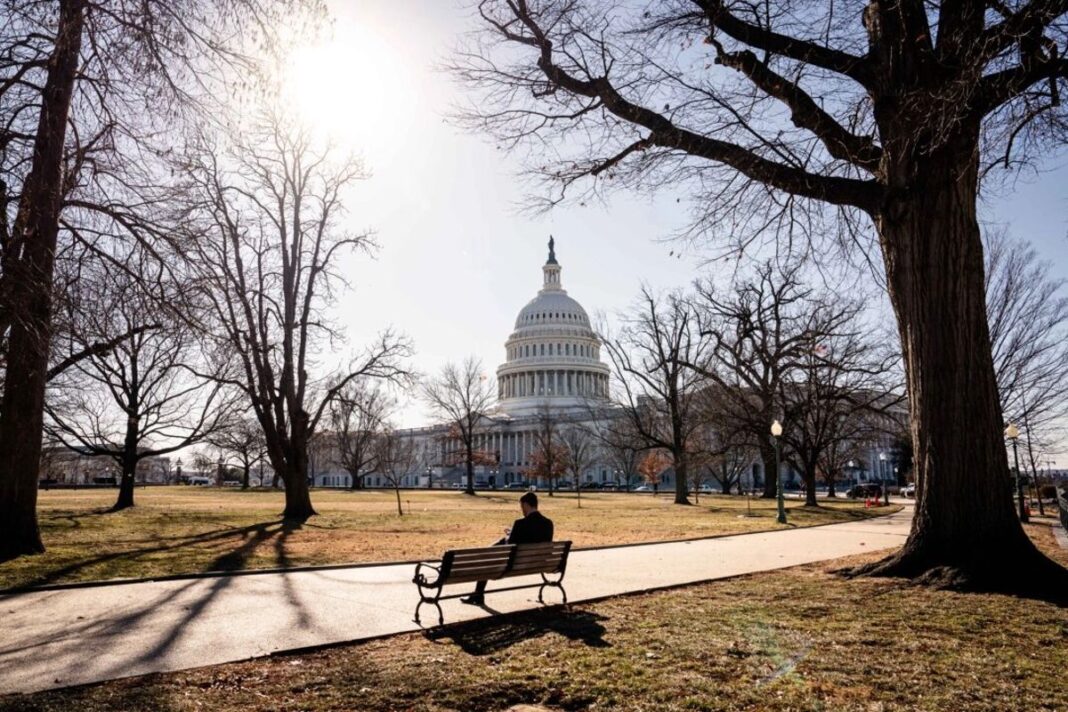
(458, 260)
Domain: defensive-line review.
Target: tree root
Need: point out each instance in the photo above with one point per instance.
(1026, 573)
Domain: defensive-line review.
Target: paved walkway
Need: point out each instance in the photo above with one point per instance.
(68, 637)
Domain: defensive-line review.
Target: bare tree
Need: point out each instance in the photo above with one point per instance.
(357, 416)
(760, 330)
(140, 399)
(617, 441)
(242, 438)
(817, 122)
(82, 83)
(266, 208)
(660, 394)
(460, 396)
(1028, 312)
(395, 455)
(841, 393)
(581, 453)
(548, 457)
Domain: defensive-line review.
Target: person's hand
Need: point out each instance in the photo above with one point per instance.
(507, 531)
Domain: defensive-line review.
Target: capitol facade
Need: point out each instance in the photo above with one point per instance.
(552, 369)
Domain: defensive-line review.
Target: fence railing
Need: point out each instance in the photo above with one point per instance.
(1062, 504)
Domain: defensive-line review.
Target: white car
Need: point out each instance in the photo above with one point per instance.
(643, 488)
(908, 491)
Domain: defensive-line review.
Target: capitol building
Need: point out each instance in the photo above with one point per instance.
(552, 370)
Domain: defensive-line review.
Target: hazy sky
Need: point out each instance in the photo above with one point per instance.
(458, 260)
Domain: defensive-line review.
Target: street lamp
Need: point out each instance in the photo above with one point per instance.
(776, 431)
(1013, 433)
(883, 459)
(429, 477)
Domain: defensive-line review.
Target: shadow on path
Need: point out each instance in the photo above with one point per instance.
(491, 635)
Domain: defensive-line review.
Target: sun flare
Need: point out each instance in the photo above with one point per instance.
(351, 88)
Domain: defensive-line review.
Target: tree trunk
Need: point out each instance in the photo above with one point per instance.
(808, 474)
(681, 483)
(767, 458)
(27, 274)
(830, 489)
(400, 510)
(965, 533)
(246, 476)
(298, 498)
(470, 489)
(126, 489)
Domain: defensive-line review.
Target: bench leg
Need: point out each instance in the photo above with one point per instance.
(546, 583)
(426, 599)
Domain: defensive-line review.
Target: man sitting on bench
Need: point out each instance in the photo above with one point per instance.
(533, 528)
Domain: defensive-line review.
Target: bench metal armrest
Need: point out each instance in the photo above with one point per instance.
(420, 579)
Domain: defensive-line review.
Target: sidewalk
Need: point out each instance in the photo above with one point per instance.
(69, 637)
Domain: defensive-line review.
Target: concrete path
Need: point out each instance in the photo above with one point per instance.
(67, 637)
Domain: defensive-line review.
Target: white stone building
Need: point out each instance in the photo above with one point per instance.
(552, 367)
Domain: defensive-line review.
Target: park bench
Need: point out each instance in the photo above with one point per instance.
(492, 563)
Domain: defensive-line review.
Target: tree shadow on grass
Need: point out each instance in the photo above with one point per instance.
(248, 539)
(490, 635)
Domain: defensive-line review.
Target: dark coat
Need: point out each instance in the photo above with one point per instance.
(534, 528)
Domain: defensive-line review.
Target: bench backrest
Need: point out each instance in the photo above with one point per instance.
(496, 562)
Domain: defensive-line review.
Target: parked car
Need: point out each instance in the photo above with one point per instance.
(564, 484)
(643, 488)
(591, 485)
(909, 490)
(517, 486)
(864, 491)
(706, 489)
(610, 486)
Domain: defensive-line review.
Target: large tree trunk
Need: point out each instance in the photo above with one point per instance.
(298, 498)
(965, 533)
(246, 473)
(28, 269)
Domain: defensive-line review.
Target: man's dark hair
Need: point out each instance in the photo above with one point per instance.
(530, 499)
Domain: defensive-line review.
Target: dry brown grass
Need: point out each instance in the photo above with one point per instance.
(798, 639)
(190, 529)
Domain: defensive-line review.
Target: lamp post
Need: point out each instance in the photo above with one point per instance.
(776, 431)
(883, 458)
(1013, 433)
(429, 477)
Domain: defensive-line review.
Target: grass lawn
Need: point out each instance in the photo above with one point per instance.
(190, 529)
(798, 639)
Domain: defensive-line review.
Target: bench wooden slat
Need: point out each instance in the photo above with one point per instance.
(488, 571)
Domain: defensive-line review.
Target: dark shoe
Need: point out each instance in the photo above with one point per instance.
(473, 600)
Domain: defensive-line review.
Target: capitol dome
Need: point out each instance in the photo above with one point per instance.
(553, 357)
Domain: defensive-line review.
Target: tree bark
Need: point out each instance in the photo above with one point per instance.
(298, 498)
(681, 483)
(28, 273)
(470, 489)
(245, 475)
(126, 490)
(808, 474)
(767, 457)
(965, 533)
